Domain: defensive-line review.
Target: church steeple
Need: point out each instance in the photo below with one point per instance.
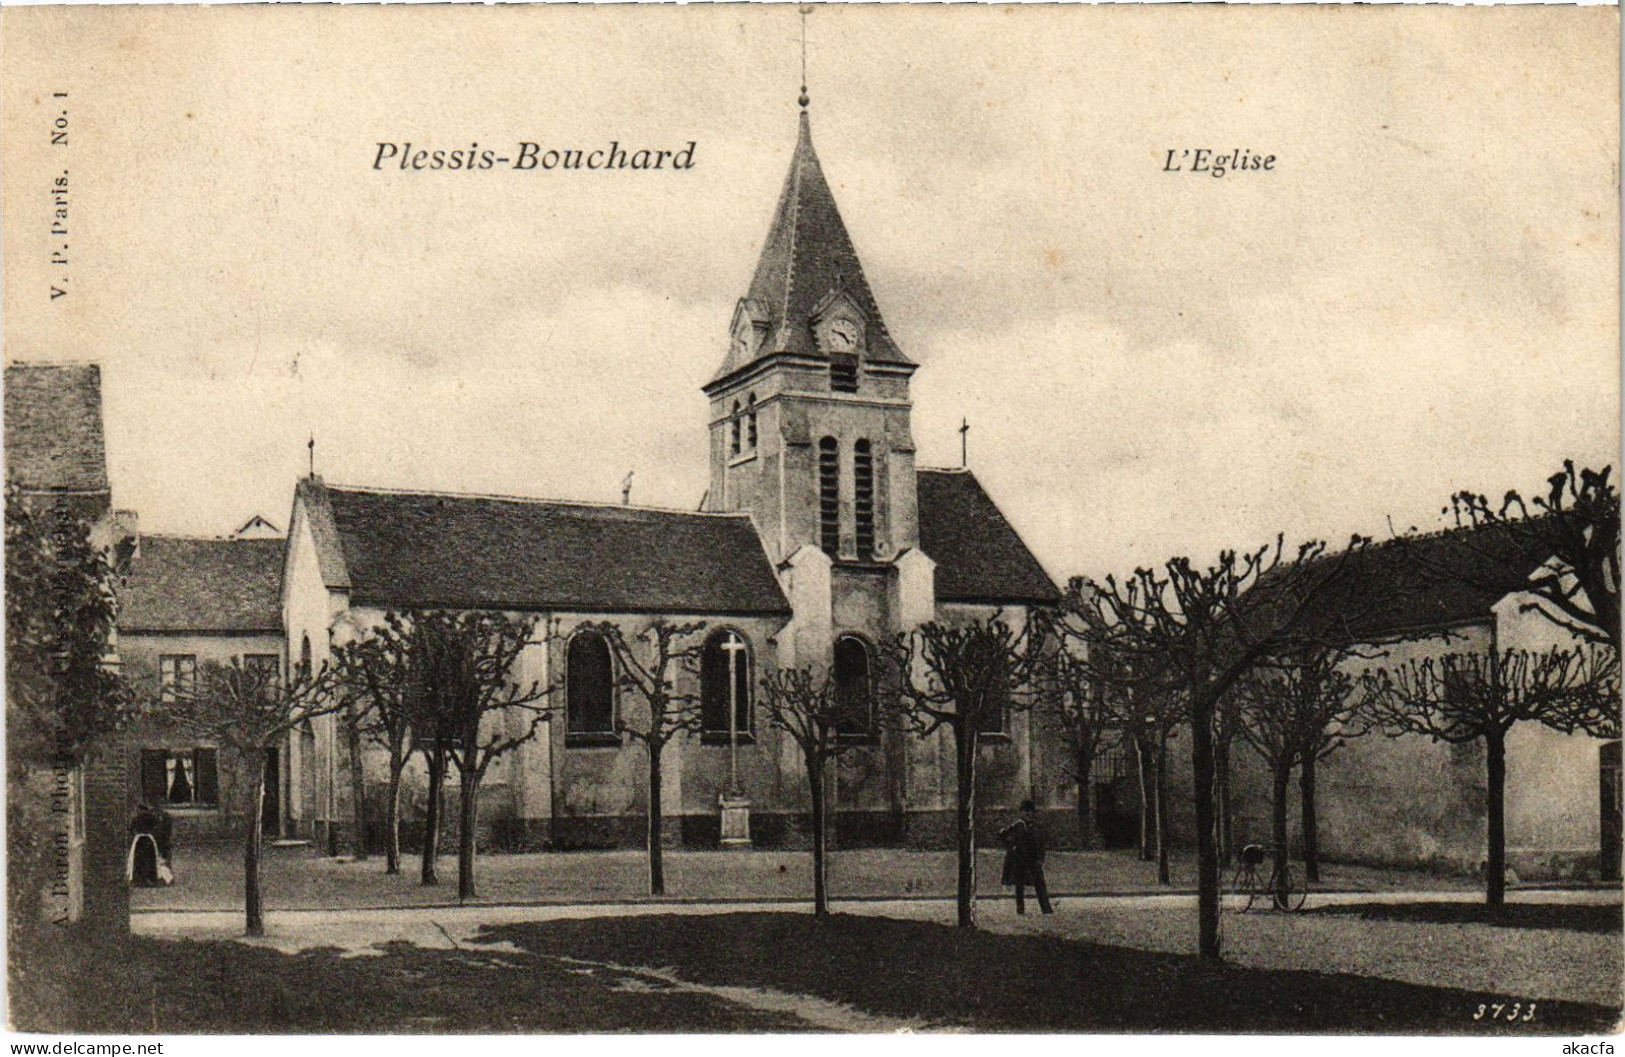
(807, 265)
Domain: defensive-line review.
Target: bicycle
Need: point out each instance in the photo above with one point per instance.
(1286, 887)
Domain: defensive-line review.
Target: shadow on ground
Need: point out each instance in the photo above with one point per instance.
(150, 986)
(1562, 917)
(953, 978)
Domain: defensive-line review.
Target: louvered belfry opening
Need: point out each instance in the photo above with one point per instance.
(863, 506)
(843, 372)
(829, 497)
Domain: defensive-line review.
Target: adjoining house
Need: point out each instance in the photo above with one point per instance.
(1411, 801)
(185, 603)
(818, 541)
(56, 457)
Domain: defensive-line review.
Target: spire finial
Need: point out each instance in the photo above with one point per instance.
(805, 11)
(312, 447)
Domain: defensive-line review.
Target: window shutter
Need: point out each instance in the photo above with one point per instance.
(153, 775)
(207, 778)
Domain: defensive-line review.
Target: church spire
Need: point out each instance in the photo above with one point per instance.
(807, 262)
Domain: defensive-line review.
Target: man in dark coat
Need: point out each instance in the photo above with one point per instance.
(1024, 858)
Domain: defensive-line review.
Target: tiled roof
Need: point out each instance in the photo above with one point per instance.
(1417, 583)
(54, 427)
(205, 585)
(414, 549)
(979, 556)
(807, 256)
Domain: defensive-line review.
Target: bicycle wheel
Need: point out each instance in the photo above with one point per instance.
(1244, 886)
(1297, 889)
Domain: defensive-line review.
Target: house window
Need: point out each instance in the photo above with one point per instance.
(829, 497)
(843, 372)
(991, 719)
(863, 500)
(264, 670)
(750, 423)
(589, 691)
(177, 677)
(724, 681)
(733, 431)
(180, 777)
(854, 688)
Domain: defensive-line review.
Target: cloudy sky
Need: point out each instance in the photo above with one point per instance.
(1423, 295)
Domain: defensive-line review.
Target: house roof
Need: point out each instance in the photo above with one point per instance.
(1417, 583)
(216, 586)
(54, 437)
(417, 549)
(979, 556)
(808, 256)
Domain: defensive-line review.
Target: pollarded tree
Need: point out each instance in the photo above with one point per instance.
(1480, 696)
(1196, 631)
(1084, 711)
(1575, 524)
(669, 709)
(248, 711)
(968, 678)
(1286, 708)
(468, 665)
(375, 667)
(813, 711)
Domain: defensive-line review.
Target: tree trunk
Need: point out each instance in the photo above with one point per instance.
(657, 866)
(431, 818)
(468, 787)
(1495, 887)
(1207, 859)
(820, 849)
(1306, 818)
(358, 788)
(1148, 808)
(1225, 803)
(1163, 876)
(392, 812)
(1280, 784)
(253, 897)
(1088, 831)
(965, 893)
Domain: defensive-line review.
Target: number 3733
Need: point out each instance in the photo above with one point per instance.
(1511, 1012)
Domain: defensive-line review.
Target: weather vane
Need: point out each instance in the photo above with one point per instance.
(805, 11)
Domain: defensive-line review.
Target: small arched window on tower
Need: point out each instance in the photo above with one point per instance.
(750, 423)
(863, 498)
(829, 497)
(733, 431)
(724, 681)
(854, 688)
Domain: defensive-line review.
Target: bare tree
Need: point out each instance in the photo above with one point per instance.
(812, 710)
(1479, 696)
(376, 668)
(966, 678)
(467, 663)
(1285, 709)
(1084, 711)
(1575, 525)
(247, 711)
(1199, 630)
(668, 710)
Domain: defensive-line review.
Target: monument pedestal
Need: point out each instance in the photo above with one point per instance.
(735, 821)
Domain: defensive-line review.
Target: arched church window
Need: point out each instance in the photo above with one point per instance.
(733, 431)
(750, 423)
(304, 658)
(725, 683)
(589, 686)
(829, 497)
(863, 498)
(854, 688)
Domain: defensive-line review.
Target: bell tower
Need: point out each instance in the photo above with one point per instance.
(809, 412)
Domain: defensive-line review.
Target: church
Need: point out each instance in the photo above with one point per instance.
(817, 540)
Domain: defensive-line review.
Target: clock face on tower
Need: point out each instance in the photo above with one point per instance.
(843, 335)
